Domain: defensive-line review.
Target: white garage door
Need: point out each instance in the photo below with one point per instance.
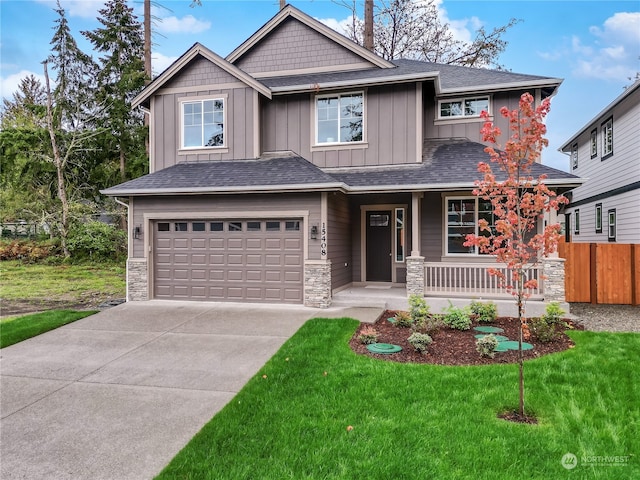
(229, 260)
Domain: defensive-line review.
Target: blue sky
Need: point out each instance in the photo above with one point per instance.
(593, 45)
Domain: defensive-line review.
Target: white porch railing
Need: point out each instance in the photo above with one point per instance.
(459, 279)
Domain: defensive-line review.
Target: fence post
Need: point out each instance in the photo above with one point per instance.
(593, 259)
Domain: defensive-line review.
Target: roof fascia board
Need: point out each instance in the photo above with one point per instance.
(551, 82)
(600, 116)
(199, 49)
(290, 11)
(321, 187)
(355, 83)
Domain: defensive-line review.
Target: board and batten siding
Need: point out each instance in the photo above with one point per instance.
(295, 46)
(218, 206)
(604, 175)
(288, 123)
(339, 239)
(199, 79)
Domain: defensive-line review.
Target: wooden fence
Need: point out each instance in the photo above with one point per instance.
(601, 272)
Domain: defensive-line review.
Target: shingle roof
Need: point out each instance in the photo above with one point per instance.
(447, 164)
(452, 77)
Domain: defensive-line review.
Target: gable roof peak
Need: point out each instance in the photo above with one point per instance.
(289, 11)
(198, 49)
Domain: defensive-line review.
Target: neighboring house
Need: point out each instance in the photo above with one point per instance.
(302, 164)
(606, 153)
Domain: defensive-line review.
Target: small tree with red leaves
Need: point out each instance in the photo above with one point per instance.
(519, 202)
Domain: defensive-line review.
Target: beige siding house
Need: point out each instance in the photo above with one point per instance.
(606, 153)
(302, 164)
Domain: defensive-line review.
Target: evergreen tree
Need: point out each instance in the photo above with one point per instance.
(121, 77)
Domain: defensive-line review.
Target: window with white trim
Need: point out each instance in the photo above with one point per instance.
(598, 218)
(612, 225)
(607, 138)
(340, 118)
(574, 156)
(463, 107)
(462, 216)
(203, 123)
(400, 235)
(594, 143)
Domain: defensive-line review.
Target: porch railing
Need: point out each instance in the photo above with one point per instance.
(456, 279)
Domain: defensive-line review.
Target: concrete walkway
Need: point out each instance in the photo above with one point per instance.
(118, 394)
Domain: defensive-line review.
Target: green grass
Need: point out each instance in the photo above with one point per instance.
(421, 421)
(17, 329)
(65, 283)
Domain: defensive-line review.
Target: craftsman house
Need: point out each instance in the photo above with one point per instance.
(606, 153)
(302, 164)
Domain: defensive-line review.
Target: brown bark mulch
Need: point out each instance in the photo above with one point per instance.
(456, 347)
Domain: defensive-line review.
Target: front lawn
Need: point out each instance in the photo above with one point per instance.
(31, 287)
(423, 421)
(14, 330)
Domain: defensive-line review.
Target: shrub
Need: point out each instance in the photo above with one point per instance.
(27, 250)
(457, 318)
(419, 341)
(97, 241)
(544, 328)
(419, 310)
(368, 335)
(485, 312)
(403, 319)
(486, 346)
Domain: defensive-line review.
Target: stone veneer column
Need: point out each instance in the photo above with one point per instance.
(553, 271)
(415, 276)
(317, 283)
(137, 280)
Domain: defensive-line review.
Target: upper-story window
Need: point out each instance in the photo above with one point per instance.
(594, 143)
(203, 123)
(607, 138)
(574, 156)
(340, 118)
(463, 107)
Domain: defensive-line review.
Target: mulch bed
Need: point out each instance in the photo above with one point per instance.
(456, 347)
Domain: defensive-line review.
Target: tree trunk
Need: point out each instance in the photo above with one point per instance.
(59, 163)
(368, 24)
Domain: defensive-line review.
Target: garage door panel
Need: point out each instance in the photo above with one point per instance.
(235, 244)
(253, 263)
(254, 244)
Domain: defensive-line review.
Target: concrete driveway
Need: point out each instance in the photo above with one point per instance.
(118, 394)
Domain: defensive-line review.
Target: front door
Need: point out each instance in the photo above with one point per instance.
(378, 245)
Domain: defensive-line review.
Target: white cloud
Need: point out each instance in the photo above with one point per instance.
(10, 84)
(186, 24)
(78, 8)
(160, 62)
(340, 26)
(607, 52)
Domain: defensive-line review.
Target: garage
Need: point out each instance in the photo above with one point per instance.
(246, 260)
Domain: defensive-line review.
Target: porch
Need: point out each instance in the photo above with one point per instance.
(396, 298)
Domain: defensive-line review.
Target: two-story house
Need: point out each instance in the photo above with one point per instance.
(302, 164)
(606, 153)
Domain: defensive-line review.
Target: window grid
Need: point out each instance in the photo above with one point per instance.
(340, 118)
(576, 222)
(607, 138)
(594, 143)
(598, 218)
(203, 123)
(612, 225)
(574, 156)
